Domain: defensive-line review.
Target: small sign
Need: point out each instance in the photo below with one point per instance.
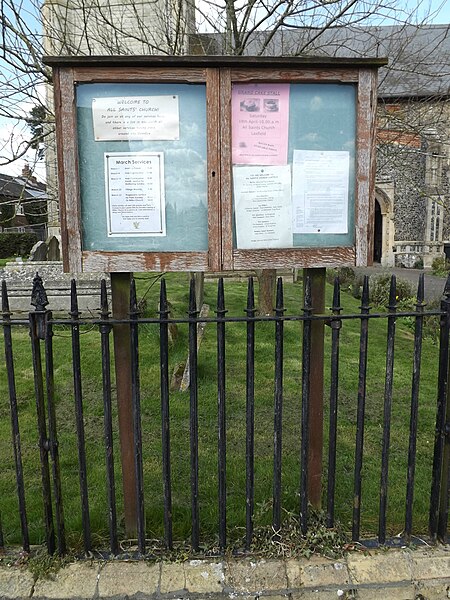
(320, 191)
(260, 114)
(136, 118)
(262, 197)
(135, 193)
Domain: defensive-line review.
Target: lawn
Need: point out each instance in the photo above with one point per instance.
(235, 295)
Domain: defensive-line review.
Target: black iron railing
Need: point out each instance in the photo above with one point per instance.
(41, 325)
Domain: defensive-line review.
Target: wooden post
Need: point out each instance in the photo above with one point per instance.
(317, 277)
(120, 296)
(267, 279)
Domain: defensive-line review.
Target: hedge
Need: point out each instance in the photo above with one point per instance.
(16, 244)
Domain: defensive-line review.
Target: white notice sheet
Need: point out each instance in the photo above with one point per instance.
(136, 118)
(135, 201)
(262, 204)
(320, 191)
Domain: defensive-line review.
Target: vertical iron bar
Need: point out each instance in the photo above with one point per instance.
(137, 427)
(14, 419)
(193, 414)
(445, 471)
(306, 370)
(418, 329)
(105, 331)
(250, 414)
(53, 437)
(440, 412)
(76, 361)
(389, 380)
(165, 414)
(336, 324)
(120, 305)
(39, 301)
(221, 415)
(365, 308)
(445, 481)
(278, 412)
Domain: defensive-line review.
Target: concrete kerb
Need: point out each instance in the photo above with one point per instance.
(392, 574)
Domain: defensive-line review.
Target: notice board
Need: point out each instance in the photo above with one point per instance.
(213, 163)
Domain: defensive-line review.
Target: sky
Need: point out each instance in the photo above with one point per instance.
(435, 11)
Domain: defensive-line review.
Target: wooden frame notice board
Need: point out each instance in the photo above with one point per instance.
(215, 163)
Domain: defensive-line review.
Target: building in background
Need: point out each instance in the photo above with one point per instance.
(23, 204)
(412, 210)
(412, 216)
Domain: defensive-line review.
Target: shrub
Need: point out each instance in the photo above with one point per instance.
(380, 287)
(16, 244)
(440, 266)
(346, 275)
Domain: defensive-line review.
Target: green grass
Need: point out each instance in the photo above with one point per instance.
(3, 261)
(235, 293)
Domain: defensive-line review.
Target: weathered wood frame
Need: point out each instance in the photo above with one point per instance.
(218, 74)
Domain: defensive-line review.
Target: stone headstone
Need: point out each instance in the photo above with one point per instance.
(53, 252)
(38, 252)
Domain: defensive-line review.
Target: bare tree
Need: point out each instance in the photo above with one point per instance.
(89, 27)
(239, 27)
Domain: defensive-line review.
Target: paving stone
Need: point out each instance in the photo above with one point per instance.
(433, 589)
(15, 583)
(128, 578)
(403, 591)
(389, 566)
(77, 580)
(203, 576)
(255, 575)
(430, 564)
(172, 578)
(294, 573)
(317, 572)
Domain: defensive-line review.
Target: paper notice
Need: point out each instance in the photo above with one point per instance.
(136, 118)
(260, 121)
(320, 191)
(135, 193)
(262, 204)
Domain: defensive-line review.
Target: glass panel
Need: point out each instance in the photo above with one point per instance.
(293, 165)
(147, 192)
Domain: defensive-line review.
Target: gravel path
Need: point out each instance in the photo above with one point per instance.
(434, 286)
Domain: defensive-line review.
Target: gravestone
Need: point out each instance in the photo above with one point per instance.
(53, 252)
(38, 252)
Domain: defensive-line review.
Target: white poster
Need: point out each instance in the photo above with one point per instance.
(262, 204)
(135, 201)
(136, 118)
(320, 191)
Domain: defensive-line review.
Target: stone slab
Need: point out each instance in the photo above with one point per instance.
(248, 575)
(388, 566)
(15, 583)
(430, 564)
(128, 578)
(204, 577)
(77, 580)
(391, 575)
(317, 572)
(172, 578)
(19, 279)
(403, 591)
(432, 589)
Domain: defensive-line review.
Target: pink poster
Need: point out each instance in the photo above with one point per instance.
(260, 122)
